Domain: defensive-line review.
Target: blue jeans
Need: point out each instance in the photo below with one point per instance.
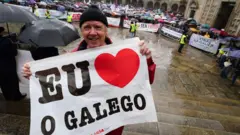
(222, 59)
(225, 71)
(131, 34)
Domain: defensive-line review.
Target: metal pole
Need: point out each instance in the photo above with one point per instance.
(8, 29)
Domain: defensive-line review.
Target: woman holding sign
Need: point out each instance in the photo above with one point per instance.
(93, 25)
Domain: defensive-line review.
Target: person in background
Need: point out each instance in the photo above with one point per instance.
(132, 29)
(93, 26)
(36, 11)
(9, 82)
(183, 41)
(136, 28)
(47, 13)
(69, 18)
(236, 68)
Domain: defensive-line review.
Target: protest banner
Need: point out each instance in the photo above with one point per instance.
(143, 26)
(206, 44)
(171, 32)
(113, 22)
(91, 92)
(75, 16)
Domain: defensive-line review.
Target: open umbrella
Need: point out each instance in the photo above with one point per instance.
(235, 53)
(9, 13)
(161, 20)
(206, 26)
(48, 33)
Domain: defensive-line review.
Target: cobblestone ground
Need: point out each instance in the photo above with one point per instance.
(189, 95)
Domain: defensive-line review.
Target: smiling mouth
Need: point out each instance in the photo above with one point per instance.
(92, 39)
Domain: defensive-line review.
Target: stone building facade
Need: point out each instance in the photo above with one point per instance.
(174, 5)
(216, 13)
(233, 25)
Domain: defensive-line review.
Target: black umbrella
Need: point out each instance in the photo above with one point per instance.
(10, 13)
(48, 33)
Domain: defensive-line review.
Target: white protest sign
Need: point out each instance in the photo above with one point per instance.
(91, 92)
(203, 43)
(114, 22)
(75, 16)
(170, 32)
(143, 26)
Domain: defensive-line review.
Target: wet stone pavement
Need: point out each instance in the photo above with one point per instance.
(189, 95)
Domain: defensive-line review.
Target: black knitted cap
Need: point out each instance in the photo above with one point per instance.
(93, 13)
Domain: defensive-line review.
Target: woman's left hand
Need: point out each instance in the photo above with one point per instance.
(144, 50)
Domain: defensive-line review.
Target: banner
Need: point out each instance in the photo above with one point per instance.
(91, 92)
(171, 32)
(143, 26)
(75, 16)
(206, 44)
(114, 22)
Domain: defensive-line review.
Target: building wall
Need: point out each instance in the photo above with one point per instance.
(145, 2)
(233, 25)
(205, 13)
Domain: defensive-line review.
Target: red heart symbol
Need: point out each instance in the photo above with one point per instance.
(119, 70)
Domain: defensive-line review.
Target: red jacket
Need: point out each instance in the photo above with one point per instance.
(151, 71)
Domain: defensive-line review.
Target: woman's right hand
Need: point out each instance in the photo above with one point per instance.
(26, 71)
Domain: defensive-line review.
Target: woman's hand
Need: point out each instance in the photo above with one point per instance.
(26, 71)
(144, 50)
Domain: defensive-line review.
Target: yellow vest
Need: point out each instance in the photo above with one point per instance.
(136, 27)
(47, 14)
(221, 51)
(132, 27)
(69, 18)
(182, 39)
(36, 12)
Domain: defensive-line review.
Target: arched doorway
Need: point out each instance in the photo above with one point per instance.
(182, 9)
(127, 2)
(140, 3)
(164, 7)
(150, 4)
(134, 2)
(157, 5)
(174, 7)
(112, 1)
(119, 1)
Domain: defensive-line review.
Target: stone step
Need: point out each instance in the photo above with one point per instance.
(14, 124)
(198, 114)
(191, 104)
(162, 128)
(21, 108)
(199, 122)
(171, 129)
(216, 100)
